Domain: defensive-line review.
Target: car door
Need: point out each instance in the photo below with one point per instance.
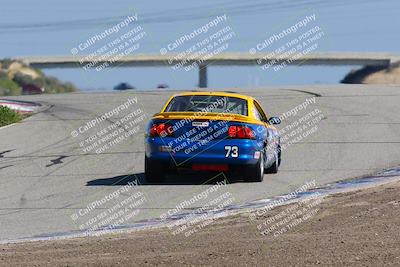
(272, 138)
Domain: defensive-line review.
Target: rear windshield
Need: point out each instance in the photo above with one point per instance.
(207, 103)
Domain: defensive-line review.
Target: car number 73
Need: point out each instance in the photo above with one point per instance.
(231, 151)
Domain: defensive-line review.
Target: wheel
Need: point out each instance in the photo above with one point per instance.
(275, 166)
(279, 155)
(153, 170)
(256, 173)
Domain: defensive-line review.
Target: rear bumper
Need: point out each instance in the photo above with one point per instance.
(212, 152)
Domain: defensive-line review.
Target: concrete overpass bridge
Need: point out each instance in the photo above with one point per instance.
(379, 60)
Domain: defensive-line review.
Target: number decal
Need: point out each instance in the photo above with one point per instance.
(235, 152)
(231, 151)
(228, 151)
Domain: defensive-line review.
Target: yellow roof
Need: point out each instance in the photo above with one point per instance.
(222, 116)
(227, 94)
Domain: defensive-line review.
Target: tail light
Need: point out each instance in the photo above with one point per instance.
(212, 167)
(241, 132)
(161, 129)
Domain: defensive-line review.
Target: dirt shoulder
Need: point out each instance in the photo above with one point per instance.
(350, 229)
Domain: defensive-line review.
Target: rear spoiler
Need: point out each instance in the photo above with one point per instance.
(199, 116)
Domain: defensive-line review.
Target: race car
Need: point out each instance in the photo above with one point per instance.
(212, 131)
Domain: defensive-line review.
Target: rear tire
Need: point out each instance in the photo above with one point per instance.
(256, 173)
(279, 155)
(274, 167)
(154, 171)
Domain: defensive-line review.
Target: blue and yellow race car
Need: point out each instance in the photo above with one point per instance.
(212, 131)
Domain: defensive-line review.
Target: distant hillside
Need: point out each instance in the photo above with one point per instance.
(14, 75)
(375, 75)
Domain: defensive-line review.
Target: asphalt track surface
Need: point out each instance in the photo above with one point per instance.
(46, 178)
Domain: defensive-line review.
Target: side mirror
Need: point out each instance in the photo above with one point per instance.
(274, 120)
